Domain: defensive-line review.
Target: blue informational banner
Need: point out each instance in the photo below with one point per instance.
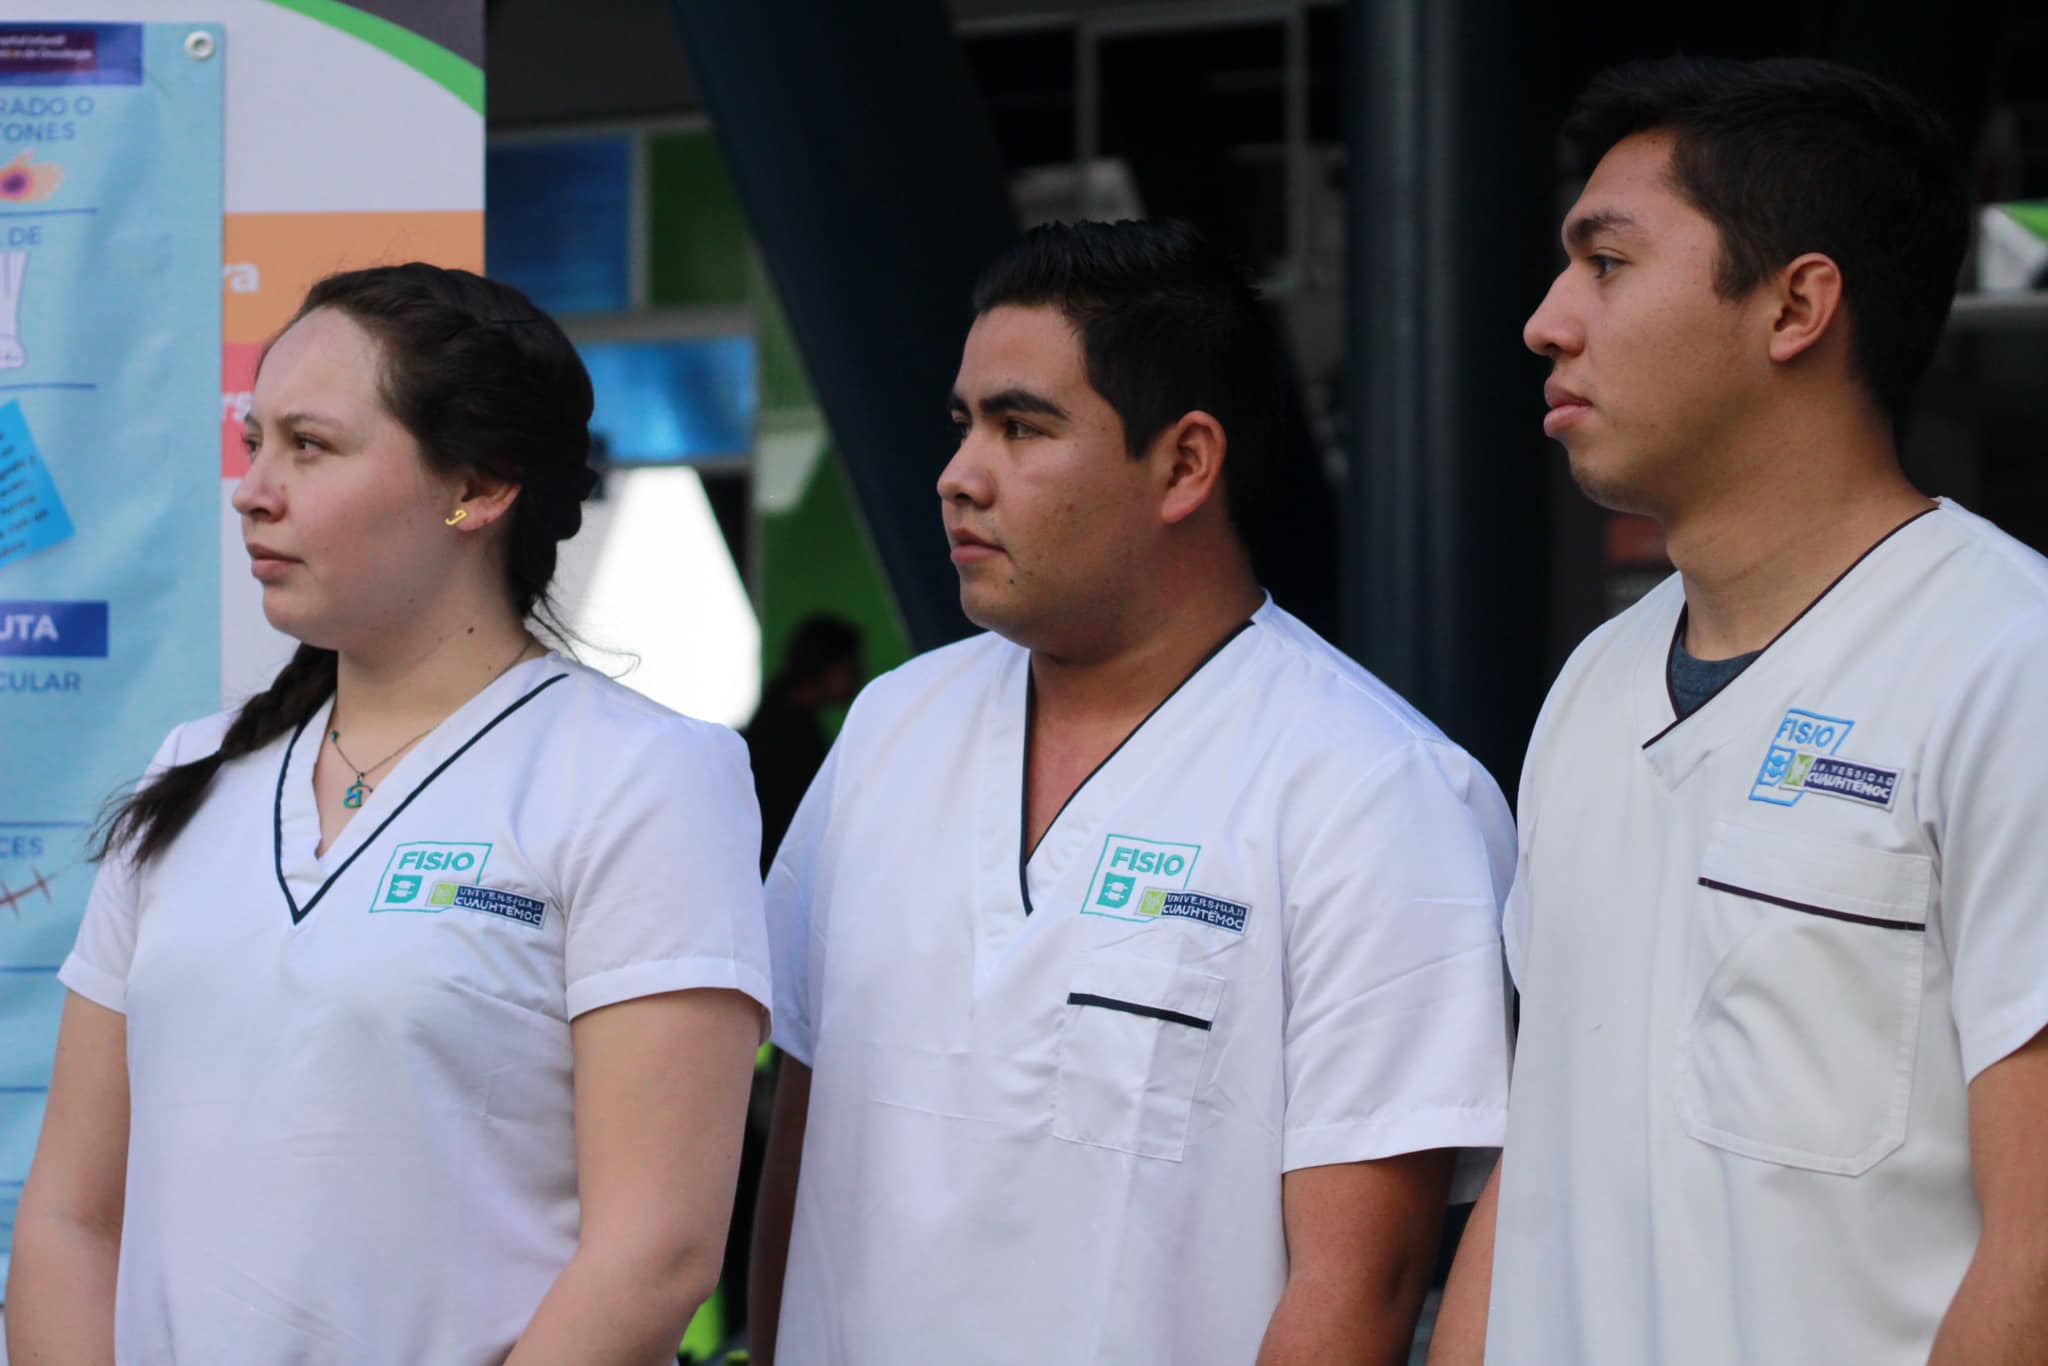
(110, 327)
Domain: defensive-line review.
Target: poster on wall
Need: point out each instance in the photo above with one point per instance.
(110, 248)
(342, 135)
(381, 161)
(354, 137)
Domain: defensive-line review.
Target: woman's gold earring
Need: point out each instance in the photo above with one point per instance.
(460, 513)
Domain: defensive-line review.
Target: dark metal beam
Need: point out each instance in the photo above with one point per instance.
(873, 185)
(1450, 128)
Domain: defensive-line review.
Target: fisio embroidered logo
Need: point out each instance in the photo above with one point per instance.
(1803, 758)
(404, 886)
(1114, 890)
(1141, 880)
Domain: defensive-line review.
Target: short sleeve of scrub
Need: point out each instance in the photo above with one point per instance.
(97, 967)
(1985, 790)
(791, 891)
(1514, 924)
(663, 887)
(1396, 1034)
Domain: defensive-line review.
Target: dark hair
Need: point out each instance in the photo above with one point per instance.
(820, 641)
(483, 381)
(1168, 323)
(1793, 155)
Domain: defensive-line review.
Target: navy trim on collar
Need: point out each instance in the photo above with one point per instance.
(1678, 633)
(1024, 787)
(277, 809)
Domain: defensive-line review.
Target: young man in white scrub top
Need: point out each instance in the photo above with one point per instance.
(1138, 961)
(1778, 921)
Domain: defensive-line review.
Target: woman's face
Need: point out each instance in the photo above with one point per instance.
(341, 516)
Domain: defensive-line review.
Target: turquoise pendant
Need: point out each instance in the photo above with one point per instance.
(354, 798)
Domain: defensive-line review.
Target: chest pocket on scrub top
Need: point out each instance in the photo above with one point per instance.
(1133, 1040)
(1803, 963)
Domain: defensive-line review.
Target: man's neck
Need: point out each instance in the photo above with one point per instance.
(1757, 554)
(1157, 651)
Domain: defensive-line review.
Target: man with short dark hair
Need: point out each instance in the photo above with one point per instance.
(1778, 916)
(1137, 962)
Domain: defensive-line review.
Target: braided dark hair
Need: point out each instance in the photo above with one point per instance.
(483, 381)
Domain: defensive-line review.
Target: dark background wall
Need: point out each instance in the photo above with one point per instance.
(1388, 167)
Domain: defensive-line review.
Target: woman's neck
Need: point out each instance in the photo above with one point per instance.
(413, 683)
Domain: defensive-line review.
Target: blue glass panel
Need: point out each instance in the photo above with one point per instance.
(556, 221)
(673, 400)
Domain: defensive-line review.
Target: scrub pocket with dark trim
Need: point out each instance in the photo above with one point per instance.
(1806, 957)
(1133, 1038)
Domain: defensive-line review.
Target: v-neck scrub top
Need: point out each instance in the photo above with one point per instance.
(351, 1134)
(1052, 1104)
(1762, 952)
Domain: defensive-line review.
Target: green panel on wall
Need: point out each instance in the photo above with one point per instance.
(811, 547)
(696, 230)
(814, 557)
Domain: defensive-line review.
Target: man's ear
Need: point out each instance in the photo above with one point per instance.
(1191, 452)
(484, 497)
(1808, 297)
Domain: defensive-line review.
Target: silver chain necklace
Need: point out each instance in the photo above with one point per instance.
(361, 788)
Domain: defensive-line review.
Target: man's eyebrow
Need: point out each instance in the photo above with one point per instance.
(1016, 400)
(1582, 230)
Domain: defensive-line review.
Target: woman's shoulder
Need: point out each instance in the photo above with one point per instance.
(195, 739)
(601, 712)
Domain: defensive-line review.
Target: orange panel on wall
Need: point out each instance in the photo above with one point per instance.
(271, 258)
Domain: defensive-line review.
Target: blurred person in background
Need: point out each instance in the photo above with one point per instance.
(786, 741)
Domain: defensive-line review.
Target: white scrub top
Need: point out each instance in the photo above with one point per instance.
(1053, 1099)
(349, 1073)
(1762, 952)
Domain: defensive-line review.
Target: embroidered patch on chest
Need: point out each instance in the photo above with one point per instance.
(405, 885)
(491, 901)
(1804, 757)
(1142, 880)
(1210, 910)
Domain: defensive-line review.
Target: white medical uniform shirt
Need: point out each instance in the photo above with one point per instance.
(351, 1136)
(1052, 1103)
(1762, 952)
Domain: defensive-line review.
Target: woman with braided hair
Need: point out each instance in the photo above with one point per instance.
(413, 1013)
